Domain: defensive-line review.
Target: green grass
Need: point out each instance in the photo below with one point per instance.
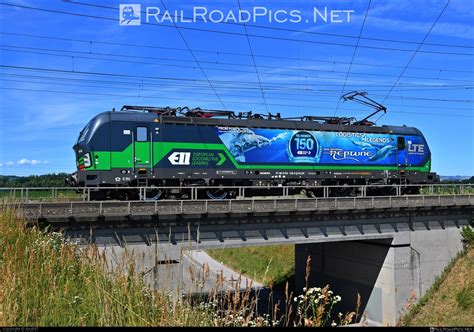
(269, 265)
(44, 282)
(465, 298)
(38, 194)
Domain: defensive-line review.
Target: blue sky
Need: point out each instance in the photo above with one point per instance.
(301, 70)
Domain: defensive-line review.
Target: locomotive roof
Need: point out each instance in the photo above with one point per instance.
(252, 123)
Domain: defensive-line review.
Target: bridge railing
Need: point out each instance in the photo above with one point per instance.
(279, 204)
(31, 194)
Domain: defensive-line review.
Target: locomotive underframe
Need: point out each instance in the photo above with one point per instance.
(262, 178)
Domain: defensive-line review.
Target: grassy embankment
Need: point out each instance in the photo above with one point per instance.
(269, 265)
(44, 282)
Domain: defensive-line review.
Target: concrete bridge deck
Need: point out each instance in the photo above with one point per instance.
(253, 222)
(68, 211)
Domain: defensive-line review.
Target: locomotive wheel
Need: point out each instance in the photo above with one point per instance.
(98, 195)
(216, 193)
(314, 193)
(153, 194)
(412, 190)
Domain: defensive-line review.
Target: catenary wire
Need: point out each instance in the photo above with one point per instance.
(94, 42)
(353, 56)
(238, 33)
(138, 86)
(417, 49)
(34, 50)
(254, 63)
(204, 100)
(184, 79)
(197, 61)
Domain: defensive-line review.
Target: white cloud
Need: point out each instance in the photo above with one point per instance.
(9, 163)
(1, 165)
(25, 161)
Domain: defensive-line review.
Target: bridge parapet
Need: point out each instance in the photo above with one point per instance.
(65, 194)
(290, 205)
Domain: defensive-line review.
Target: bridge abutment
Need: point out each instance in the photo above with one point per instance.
(387, 273)
(159, 265)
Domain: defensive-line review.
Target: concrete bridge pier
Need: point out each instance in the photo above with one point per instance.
(387, 273)
(160, 265)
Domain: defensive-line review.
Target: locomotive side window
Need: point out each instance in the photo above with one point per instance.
(142, 134)
(401, 143)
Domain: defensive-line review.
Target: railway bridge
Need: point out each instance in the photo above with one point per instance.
(383, 247)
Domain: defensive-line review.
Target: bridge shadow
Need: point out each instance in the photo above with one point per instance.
(349, 268)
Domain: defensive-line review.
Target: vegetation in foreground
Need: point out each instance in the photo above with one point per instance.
(450, 300)
(45, 282)
(269, 265)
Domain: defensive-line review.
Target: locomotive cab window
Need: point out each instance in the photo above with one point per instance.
(84, 132)
(142, 134)
(401, 143)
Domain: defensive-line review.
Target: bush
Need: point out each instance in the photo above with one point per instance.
(467, 234)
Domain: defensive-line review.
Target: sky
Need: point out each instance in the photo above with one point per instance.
(63, 62)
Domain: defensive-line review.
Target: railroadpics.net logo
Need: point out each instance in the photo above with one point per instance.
(130, 14)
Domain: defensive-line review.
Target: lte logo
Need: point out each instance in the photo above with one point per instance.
(180, 158)
(416, 148)
(130, 14)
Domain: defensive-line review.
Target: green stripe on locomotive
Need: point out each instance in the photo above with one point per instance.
(107, 160)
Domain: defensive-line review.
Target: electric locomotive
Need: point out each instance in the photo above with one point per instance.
(142, 146)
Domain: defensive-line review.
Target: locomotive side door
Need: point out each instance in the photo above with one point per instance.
(142, 147)
(401, 159)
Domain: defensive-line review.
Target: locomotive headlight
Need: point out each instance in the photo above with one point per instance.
(87, 160)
